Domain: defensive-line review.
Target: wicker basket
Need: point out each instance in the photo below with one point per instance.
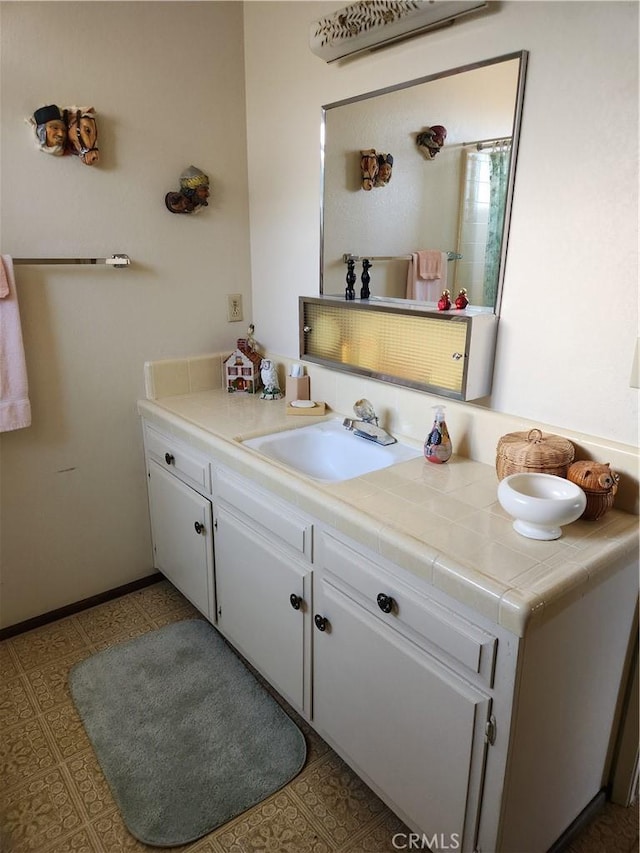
(533, 452)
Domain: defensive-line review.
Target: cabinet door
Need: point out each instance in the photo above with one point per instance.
(182, 537)
(254, 585)
(411, 726)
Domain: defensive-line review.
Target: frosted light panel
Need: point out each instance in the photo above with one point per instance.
(416, 349)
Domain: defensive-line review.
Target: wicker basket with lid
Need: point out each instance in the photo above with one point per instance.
(533, 452)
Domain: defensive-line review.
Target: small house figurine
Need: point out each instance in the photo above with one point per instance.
(242, 368)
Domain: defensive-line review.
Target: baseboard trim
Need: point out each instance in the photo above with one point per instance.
(585, 817)
(78, 606)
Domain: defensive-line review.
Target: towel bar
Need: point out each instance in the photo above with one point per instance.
(116, 261)
(451, 256)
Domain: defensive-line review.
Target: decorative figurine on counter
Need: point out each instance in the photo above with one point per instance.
(369, 168)
(461, 299)
(444, 303)
(598, 482)
(385, 166)
(431, 140)
(365, 278)
(50, 129)
(437, 445)
(193, 194)
(349, 292)
(271, 386)
(82, 134)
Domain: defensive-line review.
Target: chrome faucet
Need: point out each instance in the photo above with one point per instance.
(365, 424)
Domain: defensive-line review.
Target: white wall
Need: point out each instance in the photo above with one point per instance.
(166, 80)
(569, 320)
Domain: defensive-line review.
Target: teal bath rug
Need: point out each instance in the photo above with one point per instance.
(185, 735)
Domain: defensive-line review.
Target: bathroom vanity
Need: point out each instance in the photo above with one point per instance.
(471, 677)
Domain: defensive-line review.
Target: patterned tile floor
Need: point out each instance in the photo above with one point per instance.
(54, 799)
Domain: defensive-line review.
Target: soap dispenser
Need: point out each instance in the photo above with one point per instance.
(437, 445)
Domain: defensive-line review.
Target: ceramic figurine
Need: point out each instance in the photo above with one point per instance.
(437, 445)
(461, 299)
(385, 166)
(369, 168)
(431, 140)
(269, 376)
(598, 482)
(349, 292)
(82, 134)
(193, 194)
(365, 278)
(444, 303)
(50, 129)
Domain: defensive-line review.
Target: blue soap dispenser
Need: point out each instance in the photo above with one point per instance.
(437, 445)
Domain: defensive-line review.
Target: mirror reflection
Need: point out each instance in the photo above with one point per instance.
(418, 180)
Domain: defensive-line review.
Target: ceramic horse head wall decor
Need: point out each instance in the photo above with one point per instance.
(82, 134)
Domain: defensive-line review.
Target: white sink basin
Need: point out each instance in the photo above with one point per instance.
(541, 503)
(328, 452)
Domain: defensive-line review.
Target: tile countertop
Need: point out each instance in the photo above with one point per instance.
(442, 523)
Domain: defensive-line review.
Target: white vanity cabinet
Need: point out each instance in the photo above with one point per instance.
(485, 728)
(263, 584)
(402, 690)
(181, 518)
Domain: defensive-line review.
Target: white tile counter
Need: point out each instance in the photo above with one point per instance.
(441, 522)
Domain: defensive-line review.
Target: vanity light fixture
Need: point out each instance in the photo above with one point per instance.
(366, 25)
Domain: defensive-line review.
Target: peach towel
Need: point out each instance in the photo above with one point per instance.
(427, 275)
(15, 408)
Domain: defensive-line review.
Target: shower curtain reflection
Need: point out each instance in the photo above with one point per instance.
(499, 157)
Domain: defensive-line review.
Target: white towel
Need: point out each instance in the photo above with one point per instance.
(427, 275)
(15, 408)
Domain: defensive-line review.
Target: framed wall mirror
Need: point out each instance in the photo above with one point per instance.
(456, 203)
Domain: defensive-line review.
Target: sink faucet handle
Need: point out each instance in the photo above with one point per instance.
(365, 411)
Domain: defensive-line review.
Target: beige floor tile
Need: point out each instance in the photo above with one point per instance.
(336, 799)
(50, 683)
(16, 704)
(89, 785)
(38, 813)
(46, 644)
(25, 751)
(277, 824)
(116, 620)
(66, 731)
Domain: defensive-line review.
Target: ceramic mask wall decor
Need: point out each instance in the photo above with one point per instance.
(431, 140)
(50, 130)
(72, 130)
(193, 193)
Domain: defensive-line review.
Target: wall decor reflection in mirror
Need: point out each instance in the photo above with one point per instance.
(457, 204)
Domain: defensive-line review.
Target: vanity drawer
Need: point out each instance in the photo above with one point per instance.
(178, 458)
(277, 517)
(420, 618)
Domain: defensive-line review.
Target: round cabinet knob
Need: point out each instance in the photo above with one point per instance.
(199, 528)
(321, 622)
(169, 458)
(295, 601)
(385, 603)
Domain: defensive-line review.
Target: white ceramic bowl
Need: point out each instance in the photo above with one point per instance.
(541, 503)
